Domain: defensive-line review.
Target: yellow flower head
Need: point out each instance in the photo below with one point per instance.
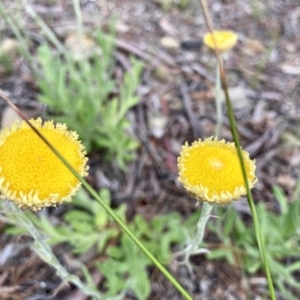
(224, 40)
(31, 175)
(210, 170)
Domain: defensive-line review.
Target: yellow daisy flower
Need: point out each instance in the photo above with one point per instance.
(31, 175)
(210, 170)
(224, 40)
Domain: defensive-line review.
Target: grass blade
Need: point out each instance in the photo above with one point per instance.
(233, 127)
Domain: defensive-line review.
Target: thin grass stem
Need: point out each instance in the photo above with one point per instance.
(40, 22)
(258, 232)
(233, 127)
(218, 103)
(23, 43)
(78, 14)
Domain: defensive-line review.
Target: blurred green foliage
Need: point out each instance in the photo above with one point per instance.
(281, 233)
(80, 93)
(167, 5)
(88, 226)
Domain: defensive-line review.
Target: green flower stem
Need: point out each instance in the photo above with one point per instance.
(218, 103)
(125, 228)
(44, 251)
(258, 232)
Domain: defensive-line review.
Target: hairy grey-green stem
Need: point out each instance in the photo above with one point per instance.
(45, 252)
(193, 247)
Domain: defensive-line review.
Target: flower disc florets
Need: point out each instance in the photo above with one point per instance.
(210, 170)
(31, 175)
(225, 40)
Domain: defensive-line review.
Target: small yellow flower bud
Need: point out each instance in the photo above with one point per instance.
(225, 40)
